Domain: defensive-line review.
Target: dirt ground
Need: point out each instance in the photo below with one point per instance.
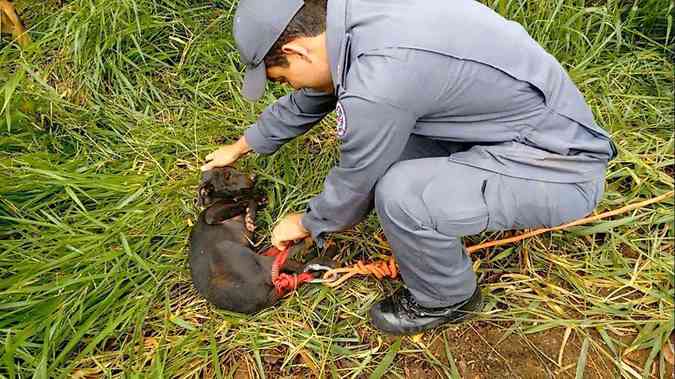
(482, 351)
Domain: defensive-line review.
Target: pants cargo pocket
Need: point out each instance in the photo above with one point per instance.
(515, 203)
(456, 210)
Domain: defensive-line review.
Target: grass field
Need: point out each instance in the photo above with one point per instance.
(105, 121)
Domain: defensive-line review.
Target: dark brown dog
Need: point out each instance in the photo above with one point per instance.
(225, 270)
(10, 23)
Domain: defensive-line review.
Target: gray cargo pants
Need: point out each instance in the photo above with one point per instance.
(426, 204)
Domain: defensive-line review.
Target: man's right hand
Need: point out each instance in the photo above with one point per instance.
(226, 155)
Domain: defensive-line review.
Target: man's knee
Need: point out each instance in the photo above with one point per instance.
(406, 196)
(396, 197)
(390, 188)
(393, 178)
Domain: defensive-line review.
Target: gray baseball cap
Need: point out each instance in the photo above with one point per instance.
(257, 26)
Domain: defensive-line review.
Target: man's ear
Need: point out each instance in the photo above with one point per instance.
(296, 48)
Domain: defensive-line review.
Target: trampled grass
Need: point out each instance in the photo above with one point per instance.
(105, 120)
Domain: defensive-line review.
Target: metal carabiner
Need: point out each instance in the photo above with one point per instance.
(318, 268)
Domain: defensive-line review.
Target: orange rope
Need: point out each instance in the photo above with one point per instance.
(380, 269)
(388, 268)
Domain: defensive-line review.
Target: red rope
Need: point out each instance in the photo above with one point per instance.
(272, 251)
(285, 283)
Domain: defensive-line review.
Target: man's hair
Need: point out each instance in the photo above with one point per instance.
(310, 21)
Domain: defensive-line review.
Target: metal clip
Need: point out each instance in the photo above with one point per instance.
(319, 269)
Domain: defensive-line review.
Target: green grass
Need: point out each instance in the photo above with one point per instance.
(103, 125)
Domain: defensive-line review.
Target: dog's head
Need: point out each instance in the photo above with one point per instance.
(223, 183)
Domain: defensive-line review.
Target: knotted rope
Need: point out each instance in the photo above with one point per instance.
(285, 283)
(380, 269)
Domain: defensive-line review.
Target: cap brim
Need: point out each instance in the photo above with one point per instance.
(255, 79)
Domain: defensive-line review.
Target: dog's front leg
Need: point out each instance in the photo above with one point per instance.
(249, 219)
(222, 211)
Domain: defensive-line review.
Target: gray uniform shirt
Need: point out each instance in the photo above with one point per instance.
(519, 107)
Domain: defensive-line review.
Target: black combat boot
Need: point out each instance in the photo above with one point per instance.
(399, 314)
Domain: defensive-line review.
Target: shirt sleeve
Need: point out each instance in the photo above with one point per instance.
(287, 118)
(374, 135)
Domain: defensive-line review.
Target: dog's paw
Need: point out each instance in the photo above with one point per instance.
(261, 200)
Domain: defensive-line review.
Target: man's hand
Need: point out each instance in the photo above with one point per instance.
(227, 154)
(288, 230)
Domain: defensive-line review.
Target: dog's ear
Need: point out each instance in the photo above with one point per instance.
(204, 195)
(207, 190)
(207, 178)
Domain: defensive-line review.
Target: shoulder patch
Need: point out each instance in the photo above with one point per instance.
(341, 120)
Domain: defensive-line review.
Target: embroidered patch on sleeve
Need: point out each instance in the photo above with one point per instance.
(341, 120)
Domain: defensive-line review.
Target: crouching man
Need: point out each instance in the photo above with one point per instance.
(452, 121)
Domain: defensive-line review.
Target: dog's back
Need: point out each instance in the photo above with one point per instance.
(226, 271)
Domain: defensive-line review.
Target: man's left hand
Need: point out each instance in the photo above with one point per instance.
(288, 230)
